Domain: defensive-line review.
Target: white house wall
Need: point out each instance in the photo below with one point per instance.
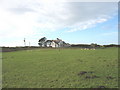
(53, 44)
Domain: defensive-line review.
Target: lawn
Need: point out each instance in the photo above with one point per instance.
(64, 68)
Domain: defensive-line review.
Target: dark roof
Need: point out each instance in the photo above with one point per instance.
(49, 41)
(56, 41)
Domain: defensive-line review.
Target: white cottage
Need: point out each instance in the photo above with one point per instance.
(55, 43)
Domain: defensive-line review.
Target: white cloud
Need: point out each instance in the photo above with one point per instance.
(110, 34)
(85, 25)
(14, 25)
(22, 18)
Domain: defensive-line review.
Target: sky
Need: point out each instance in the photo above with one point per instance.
(73, 22)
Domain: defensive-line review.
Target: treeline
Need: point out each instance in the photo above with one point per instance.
(111, 45)
(93, 45)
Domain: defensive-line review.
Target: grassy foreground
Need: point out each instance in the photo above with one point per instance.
(64, 68)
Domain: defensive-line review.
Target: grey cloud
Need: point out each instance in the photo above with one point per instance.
(20, 10)
(84, 11)
(63, 14)
(77, 12)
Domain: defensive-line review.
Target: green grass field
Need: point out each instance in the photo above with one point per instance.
(64, 68)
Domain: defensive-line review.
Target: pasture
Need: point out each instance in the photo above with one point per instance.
(64, 68)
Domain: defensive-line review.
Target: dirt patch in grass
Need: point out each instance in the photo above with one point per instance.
(109, 77)
(53, 81)
(82, 73)
(88, 74)
(101, 87)
(91, 77)
(85, 72)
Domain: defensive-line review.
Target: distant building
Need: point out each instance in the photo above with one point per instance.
(56, 43)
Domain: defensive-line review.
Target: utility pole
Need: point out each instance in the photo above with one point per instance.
(24, 42)
(29, 44)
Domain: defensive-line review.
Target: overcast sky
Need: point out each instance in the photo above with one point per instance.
(73, 22)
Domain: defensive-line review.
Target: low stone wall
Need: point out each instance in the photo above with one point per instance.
(11, 49)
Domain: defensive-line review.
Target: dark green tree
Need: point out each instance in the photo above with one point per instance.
(42, 41)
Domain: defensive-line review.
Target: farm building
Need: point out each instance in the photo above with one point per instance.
(56, 43)
(53, 43)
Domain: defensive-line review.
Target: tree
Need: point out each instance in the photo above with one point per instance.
(42, 41)
(93, 45)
